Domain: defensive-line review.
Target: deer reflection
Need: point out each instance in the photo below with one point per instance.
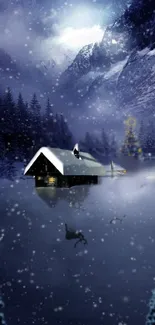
(72, 234)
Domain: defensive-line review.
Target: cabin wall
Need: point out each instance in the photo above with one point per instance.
(82, 180)
(64, 181)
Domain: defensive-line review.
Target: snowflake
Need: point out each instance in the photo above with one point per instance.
(126, 299)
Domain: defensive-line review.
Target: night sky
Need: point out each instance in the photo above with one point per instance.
(45, 30)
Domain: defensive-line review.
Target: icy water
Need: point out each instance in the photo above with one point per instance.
(45, 280)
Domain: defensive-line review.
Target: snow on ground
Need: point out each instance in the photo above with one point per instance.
(46, 280)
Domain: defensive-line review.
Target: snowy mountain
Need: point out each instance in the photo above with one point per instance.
(28, 76)
(118, 73)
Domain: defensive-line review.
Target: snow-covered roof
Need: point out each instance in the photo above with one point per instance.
(67, 164)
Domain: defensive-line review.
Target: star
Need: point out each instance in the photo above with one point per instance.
(130, 122)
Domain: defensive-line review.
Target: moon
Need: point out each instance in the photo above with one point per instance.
(79, 26)
(76, 38)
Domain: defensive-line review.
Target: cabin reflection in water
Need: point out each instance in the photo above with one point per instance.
(74, 196)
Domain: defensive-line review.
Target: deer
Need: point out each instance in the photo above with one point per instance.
(115, 219)
(71, 234)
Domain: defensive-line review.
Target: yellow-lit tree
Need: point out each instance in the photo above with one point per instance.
(131, 146)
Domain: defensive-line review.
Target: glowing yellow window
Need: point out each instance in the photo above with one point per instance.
(52, 180)
(39, 178)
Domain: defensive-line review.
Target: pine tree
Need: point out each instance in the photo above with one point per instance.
(2, 316)
(48, 111)
(150, 138)
(27, 132)
(65, 134)
(142, 137)
(91, 145)
(7, 168)
(150, 319)
(105, 143)
(2, 130)
(20, 127)
(35, 122)
(131, 146)
(48, 124)
(9, 121)
(113, 147)
(9, 112)
(35, 106)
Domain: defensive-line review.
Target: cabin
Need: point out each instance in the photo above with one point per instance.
(56, 167)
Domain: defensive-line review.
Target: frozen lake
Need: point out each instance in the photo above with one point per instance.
(45, 280)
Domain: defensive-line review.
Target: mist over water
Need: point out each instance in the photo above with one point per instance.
(113, 274)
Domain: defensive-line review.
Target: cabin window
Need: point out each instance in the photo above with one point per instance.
(52, 180)
(39, 178)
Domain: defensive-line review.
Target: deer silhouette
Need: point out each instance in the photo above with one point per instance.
(71, 234)
(119, 219)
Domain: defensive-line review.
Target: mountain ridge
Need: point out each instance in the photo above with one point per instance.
(128, 43)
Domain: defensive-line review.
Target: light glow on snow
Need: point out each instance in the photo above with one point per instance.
(152, 177)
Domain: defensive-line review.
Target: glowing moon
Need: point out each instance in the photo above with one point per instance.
(76, 38)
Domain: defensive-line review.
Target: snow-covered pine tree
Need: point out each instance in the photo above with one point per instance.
(150, 318)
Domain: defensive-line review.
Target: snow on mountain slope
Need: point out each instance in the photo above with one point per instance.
(91, 57)
(115, 70)
(125, 62)
(129, 86)
(136, 84)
